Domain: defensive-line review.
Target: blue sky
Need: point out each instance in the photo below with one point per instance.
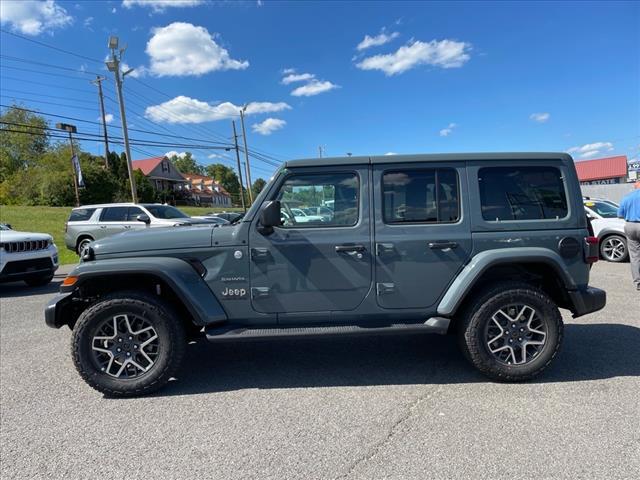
(364, 78)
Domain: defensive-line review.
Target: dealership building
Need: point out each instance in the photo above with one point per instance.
(603, 171)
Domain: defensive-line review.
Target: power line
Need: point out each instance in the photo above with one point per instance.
(47, 96)
(49, 103)
(50, 46)
(48, 65)
(22, 80)
(41, 73)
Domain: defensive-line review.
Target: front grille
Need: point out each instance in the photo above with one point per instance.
(26, 246)
(25, 266)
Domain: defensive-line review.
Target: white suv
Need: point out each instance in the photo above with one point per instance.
(32, 257)
(93, 222)
(608, 228)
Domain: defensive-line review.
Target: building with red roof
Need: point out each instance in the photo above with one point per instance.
(601, 171)
(163, 174)
(206, 191)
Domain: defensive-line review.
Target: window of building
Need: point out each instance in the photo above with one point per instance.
(421, 196)
(339, 192)
(522, 193)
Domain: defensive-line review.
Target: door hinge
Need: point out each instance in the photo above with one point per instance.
(385, 288)
(384, 248)
(260, 292)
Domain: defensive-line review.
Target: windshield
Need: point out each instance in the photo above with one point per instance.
(604, 209)
(165, 211)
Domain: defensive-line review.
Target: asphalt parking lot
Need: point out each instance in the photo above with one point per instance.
(388, 407)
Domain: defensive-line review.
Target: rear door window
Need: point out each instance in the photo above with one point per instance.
(81, 214)
(114, 214)
(522, 193)
(420, 196)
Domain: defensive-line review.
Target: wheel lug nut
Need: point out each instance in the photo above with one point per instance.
(128, 354)
(130, 338)
(135, 346)
(119, 349)
(519, 339)
(119, 339)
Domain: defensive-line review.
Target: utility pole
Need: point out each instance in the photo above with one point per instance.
(72, 129)
(98, 82)
(246, 153)
(113, 65)
(235, 141)
(320, 151)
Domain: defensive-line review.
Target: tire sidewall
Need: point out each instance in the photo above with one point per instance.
(626, 249)
(94, 317)
(480, 319)
(81, 244)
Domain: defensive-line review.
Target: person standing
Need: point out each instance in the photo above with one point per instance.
(630, 210)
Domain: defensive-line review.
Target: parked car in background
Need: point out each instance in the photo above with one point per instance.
(325, 212)
(213, 219)
(608, 228)
(230, 216)
(32, 257)
(92, 222)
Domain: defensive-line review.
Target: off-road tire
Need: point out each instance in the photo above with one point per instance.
(39, 281)
(166, 323)
(478, 313)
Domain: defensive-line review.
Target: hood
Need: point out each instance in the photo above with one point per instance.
(157, 238)
(14, 236)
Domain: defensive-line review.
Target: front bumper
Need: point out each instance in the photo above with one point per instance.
(587, 300)
(27, 265)
(54, 311)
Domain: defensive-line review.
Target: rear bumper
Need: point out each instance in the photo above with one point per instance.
(53, 312)
(587, 300)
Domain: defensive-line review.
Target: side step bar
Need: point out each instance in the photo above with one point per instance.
(233, 333)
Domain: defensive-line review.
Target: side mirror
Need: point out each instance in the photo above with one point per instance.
(143, 217)
(269, 217)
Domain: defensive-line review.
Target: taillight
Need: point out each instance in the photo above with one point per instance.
(591, 252)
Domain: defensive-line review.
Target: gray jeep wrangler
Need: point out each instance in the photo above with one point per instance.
(483, 246)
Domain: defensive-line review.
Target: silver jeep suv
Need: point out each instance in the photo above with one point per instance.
(93, 222)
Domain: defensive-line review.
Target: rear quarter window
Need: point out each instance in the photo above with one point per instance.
(81, 214)
(522, 193)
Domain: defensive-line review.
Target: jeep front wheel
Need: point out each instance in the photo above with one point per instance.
(128, 344)
(511, 332)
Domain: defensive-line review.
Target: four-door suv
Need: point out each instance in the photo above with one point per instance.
(484, 246)
(93, 222)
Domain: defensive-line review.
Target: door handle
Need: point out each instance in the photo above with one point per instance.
(127, 226)
(442, 245)
(103, 226)
(349, 248)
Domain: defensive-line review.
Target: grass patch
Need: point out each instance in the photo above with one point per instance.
(51, 220)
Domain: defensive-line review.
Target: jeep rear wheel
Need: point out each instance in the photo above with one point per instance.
(511, 332)
(128, 344)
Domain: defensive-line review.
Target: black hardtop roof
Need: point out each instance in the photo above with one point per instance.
(429, 157)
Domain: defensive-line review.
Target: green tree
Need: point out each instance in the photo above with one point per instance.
(23, 140)
(257, 186)
(226, 177)
(186, 164)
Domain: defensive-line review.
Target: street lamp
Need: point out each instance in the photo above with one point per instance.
(72, 129)
(113, 42)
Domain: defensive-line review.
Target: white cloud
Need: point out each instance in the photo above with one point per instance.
(390, 153)
(184, 109)
(377, 40)
(33, 17)
(181, 49)
(160, 6)
(114, 10)
(314, 87)
(173, 153)
(444, 54)
(540, 117)
(287, 71)
(297, 77)
(268, 126)
(137, 72)
(214, 155)
(591, 149)
(108, 118)
(87, 22)
(445, 132)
